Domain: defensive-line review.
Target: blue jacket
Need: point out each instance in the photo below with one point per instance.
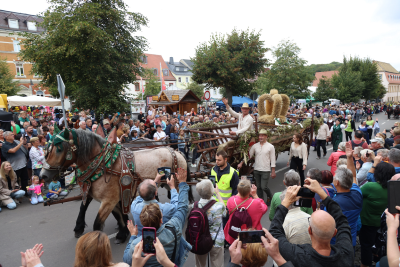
(167, 209)
(165, 236)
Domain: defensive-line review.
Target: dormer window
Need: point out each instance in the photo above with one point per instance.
(32, 26)
(143, 59)
(177, 69)
(185, 69)
(13, 23)
(165, 72)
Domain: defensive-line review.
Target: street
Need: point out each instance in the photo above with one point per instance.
(53, 226)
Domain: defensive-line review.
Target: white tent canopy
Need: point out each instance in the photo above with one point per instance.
(33, 101)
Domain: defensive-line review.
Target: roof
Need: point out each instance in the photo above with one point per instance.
(188, 63)
(382, 66)
(327, 74)
(184, 95)
(180, 65)
(22, 21)
(153, 62)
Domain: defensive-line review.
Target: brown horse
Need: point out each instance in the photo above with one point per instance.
(81, 147)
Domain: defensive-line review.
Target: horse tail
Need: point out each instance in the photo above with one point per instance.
(191, 197)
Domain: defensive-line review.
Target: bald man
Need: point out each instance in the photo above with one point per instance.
(323, 226)
(147, 195)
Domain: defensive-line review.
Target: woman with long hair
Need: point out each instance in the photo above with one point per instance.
(298, 156)
(9, 188)
(93, 249)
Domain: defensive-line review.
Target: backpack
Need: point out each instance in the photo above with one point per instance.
(198, 230)
(239, 218)
(353, 145)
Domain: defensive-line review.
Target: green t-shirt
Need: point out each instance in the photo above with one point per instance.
(370, 123)
(276, 201)
(374, 203)
(348, 129)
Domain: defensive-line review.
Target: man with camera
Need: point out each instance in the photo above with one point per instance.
(322, 227)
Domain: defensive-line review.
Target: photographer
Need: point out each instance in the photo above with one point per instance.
(321, 229)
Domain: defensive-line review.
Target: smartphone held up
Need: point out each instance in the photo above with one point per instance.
(251, 236)
(149, 235)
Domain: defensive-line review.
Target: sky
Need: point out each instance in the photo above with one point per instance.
(325, 31)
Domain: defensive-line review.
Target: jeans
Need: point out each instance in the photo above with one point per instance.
(296, 164)
(376, 130)
(36, 199)
(37, 172)
(16, 195)
(367, 240)
(321, 143)
(262, 179)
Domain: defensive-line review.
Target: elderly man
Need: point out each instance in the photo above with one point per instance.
(16, 152)
(322, 227)
(264, 166)
(245, 120)
(394, 159)
(88, 124)
(384, 153)
(107, 126)
(377, 144)
(82, 126)
(147, 195)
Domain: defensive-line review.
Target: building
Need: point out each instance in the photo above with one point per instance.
(390, 79)
(153, 62)
(176, 101)
(181, 71)
(319, 76)
(12, 24)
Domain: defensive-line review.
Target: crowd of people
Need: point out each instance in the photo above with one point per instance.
(349, 204)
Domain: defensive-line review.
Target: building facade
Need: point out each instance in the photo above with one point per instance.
(12, 24)
(181, 71)
(390, 79)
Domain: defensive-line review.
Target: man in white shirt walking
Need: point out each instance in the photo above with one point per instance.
(245, 120)
(264, 165)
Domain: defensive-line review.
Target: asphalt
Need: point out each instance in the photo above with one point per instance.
(53, 226)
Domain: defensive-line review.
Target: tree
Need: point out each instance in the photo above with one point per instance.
(197, 89)
(348, 85)
(95, 47)
(7, 86)
(324, 67)
(288, 74)
(325, 90)
(230, 61)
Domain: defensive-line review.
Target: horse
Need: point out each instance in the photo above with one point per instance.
(84, 149)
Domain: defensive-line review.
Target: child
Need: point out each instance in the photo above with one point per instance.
(134, 134)
(55, 189)
(36, 192)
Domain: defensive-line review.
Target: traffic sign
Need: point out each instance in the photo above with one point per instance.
(207, 95)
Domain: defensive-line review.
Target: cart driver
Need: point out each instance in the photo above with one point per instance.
(245, 120)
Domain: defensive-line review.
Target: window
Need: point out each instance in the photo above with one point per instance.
(380, 77)
(180, 79)
(143, 59)
(17, 46)
(171, 84)
(13, 23)
(39, 93)
(155, 72)
(32, 26)
(177, 68)
(137, 88)
(187, 79)
(20, 69)
(185, 69)
(166, 72)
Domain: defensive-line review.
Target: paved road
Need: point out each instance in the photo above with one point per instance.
(53, 226)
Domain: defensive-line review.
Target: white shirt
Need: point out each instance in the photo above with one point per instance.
(159, 135)
(264, 156)
(245, 123)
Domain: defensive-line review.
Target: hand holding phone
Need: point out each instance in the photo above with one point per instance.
(251, 236)
(393, 196)
(149, 235)
(212, 179)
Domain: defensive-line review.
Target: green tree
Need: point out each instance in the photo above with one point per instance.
(325, 90)
(288, 74)
(324, 67)
(230, 61)
(197, 89)
(348, 85)
(94, 45)
(7, 86)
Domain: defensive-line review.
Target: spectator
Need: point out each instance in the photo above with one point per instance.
(376, 127)
(254, 255)
(336, 134)
(35, 197)
(321, 139)
(334, 157)
(364, 128)
(120, 131)
(107, 126)
(89, 125)
(396, 142)
(362, 172)
(374, 203)
(10, 191)
(141, 118)
(50, 134)
(125, 135)
(215, 214)
(357, 156)
(350, 127)
(36, 155)
(384, 153)
(147, 195)
(321, 229)
(168, 234)
(136, 124)
(159, 135)
(55, 189)
(377, 144)
(168, 129)
(93, 249)
(296, 224)
(370, 126)
(255, 207)
(358, 142)
(134, 135)
(316, 174)
(23, 117)
(326, 182)
(174, 135)
(298, 156)
(16, 154)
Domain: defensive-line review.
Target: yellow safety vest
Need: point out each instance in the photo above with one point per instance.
(224, 184)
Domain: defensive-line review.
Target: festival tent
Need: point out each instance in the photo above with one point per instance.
(237, 102)
(33, 101)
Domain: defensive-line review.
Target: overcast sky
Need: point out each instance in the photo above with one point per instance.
(324, 30)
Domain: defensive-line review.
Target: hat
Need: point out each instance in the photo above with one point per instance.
(245, 105)
(263, 131)
(157, 116)
(106, 122)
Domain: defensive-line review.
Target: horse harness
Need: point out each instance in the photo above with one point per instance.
(102, 165)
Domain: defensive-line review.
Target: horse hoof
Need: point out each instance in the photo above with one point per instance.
(78, 234)
(119, 241)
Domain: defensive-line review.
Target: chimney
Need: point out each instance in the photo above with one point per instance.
(171, 61)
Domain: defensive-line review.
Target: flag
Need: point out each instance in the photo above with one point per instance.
(162, 81)
(141, 84)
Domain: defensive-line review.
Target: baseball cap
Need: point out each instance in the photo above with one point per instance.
(106, 122)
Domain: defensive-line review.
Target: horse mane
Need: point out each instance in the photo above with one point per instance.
(87, 143)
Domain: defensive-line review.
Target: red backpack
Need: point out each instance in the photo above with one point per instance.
(240, 219)
(198, 230)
